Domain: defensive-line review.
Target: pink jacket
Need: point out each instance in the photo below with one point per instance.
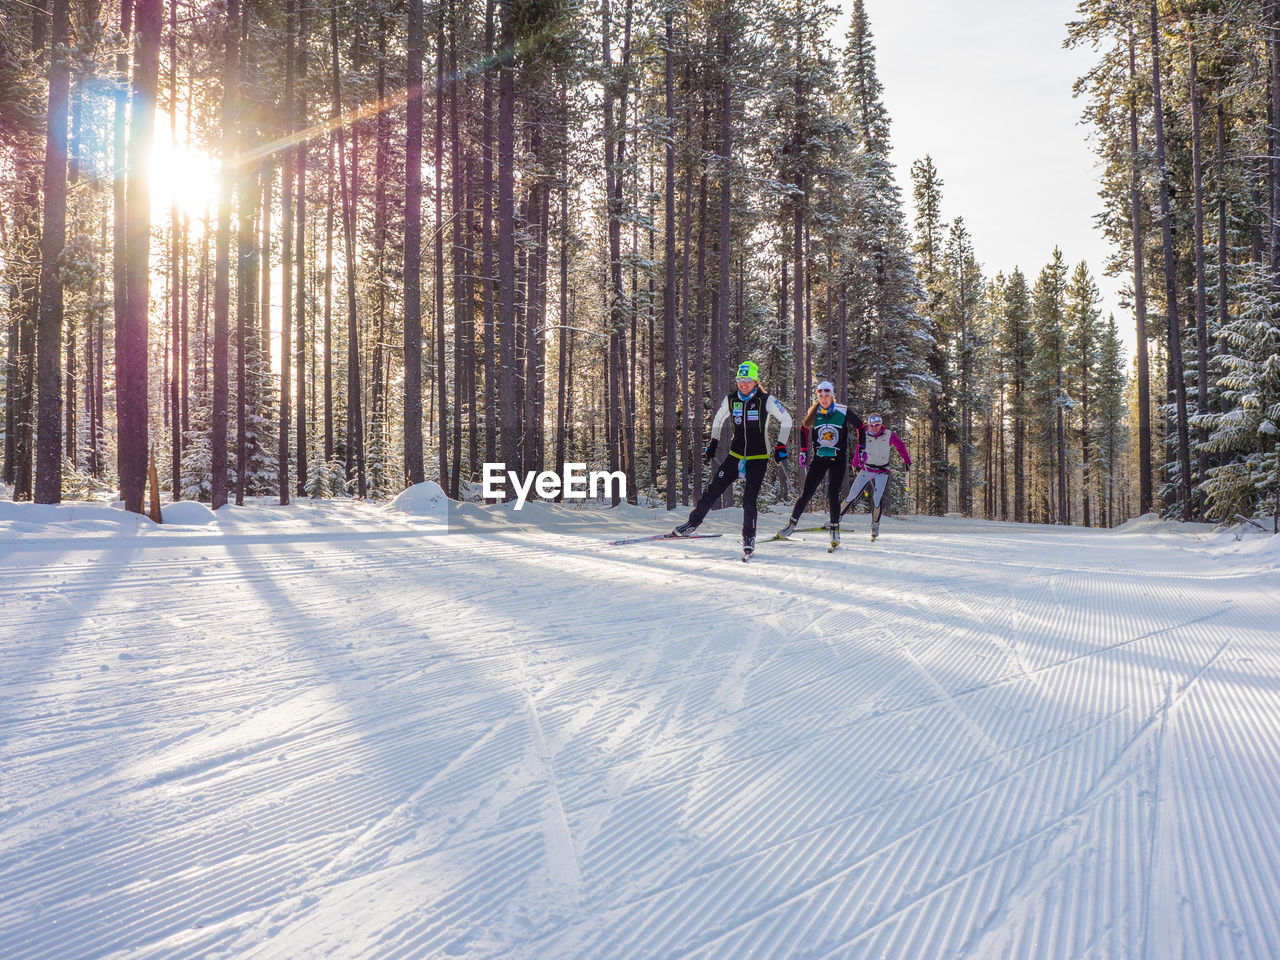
(878, 445)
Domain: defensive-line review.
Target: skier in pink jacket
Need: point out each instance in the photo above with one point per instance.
(871, 459)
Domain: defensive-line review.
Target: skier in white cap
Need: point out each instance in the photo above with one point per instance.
(828, 424)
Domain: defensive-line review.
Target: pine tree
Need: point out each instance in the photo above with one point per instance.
(1017, 344)
(1049, 396)
(930, 231)
(1246, 434)
(1083, 320)
(1110, 434)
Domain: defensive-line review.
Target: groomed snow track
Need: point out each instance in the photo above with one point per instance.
(334, 733)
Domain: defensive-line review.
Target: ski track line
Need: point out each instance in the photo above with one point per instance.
(767, 790)
(963, 801)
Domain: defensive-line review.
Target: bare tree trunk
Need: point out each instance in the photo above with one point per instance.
(690, 400)
(441, 386)
(264, 276)
(566, 331)
(355, 422)
(1273, 152)
(175, 260)
(797, 248)
(300, 252)
(1202, 320)
(1222, 218)
(457, 212)
(700, 338)
(412, 263)
(486, 249)
(670, 409)
(1145, 483)
(328, 327)
(720, 362)
(628, 409)
(120, 231)
(506, 238)
(1171, 281)
(48, 478)
(246, 284)
(131, 344)
(286, 265)
(614, 146)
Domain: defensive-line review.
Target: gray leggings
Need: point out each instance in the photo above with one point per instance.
(878, 481)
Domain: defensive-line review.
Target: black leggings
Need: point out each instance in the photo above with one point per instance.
(723, 480)
(833, 469)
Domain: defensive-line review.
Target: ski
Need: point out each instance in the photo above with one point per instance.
(777, 539)
(832, 548)
(663, 536)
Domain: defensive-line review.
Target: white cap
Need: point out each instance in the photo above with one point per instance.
(827, 385)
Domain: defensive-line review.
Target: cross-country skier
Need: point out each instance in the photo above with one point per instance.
(871, 460)
(829, 424)
(748, 456)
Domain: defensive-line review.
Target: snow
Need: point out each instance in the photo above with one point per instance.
(355, 731)
(424, 499)
(190, 513)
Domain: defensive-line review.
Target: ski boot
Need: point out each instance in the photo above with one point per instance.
(875, 529)
(748, 548)
(785, 532)
(835, 539)
(684, 530)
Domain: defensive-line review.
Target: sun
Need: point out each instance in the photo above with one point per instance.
(181, 175)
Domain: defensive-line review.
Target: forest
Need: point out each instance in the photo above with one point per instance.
(306, 248)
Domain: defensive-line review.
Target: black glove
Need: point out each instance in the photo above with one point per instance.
(709, 453)
(780, 452)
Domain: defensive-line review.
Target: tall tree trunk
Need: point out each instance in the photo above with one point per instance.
(441, 386)
(175, 262)
(614, 143)
(1202, 320)
(797, 232)
(286, 263)
(328, 325)
(300, 252)
(690, 400)
(486, 249)
(1222, 218)
(24, 289)
(246, 283)
(700, 386)
(264, 277)
(1273, 235)
(721, 362)
(1171, 280)
(670, 409)
(565, 327)
(413, 465)
(627, 411)
(131, 345)
(355, 421)
(1145, 484)
(965, 492)
(69, 413)
(382, 151)
(506, 236)
(48, 479)
(457, 213)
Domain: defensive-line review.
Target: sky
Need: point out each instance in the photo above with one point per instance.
(984, 87)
